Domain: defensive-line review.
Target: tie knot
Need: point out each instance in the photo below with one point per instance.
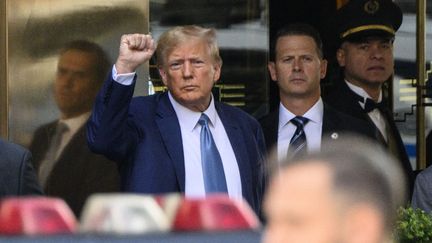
(203, 121)
(299, 121)
(61, 128)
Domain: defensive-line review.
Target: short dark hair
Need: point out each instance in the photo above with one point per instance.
(297, 29)
(102, 61)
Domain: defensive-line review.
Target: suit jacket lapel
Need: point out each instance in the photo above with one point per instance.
(169, 128)
(236, 138)
(330, 123)
(270, 127)
(352, 107)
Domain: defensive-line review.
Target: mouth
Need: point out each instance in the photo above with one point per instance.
(190, 87)
(376, 68)
(297, 79)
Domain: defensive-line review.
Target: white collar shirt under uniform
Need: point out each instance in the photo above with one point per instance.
(312, 129)
(375, 115)
(190, 131)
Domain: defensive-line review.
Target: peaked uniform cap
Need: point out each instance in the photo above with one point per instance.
(359, 19)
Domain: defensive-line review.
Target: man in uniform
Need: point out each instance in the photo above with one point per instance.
(367, 32)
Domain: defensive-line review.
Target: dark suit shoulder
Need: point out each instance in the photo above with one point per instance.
(11, 153)
(17, 176)
(336, 120)
(236, 113)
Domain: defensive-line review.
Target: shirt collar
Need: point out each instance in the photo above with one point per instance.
(75, 123)
(360, 91)
(188, 118)
(314, 114)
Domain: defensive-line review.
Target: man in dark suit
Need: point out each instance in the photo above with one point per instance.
(297, 66)
(65, 165)
(367, 31)
(17, 176)
(158, 139)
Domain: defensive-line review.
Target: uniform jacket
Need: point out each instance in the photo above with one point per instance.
(342, 98)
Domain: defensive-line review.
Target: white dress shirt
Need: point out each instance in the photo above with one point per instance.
(190, 131)
(375, 115)
(312, 129)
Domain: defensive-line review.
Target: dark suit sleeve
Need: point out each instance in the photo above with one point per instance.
(422, 195)
(28, 183)
(109, 131)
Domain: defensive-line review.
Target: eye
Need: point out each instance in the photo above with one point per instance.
(287, 59)
(307, 58)
(386, 45)
(364, 46)
(197, 63)
(174, 65)
(61, 72)
(79, 75)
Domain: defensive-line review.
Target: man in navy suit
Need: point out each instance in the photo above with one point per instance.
(297, 66)
(17, 175)
(156, 139)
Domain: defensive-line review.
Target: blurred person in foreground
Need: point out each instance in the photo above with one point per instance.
(182, 140)
(65, 165)
(348, 192)
(17, 177)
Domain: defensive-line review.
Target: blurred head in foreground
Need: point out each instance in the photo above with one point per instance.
(348, 192)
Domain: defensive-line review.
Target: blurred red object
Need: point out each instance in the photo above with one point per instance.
(36, 215)
(213, 213)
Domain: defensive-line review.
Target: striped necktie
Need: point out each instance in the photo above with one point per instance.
(298, 144)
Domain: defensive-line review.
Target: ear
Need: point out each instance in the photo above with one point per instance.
(217, 72)
(323, 68)
(364, 223)
(340, 56)
(272, 70)
(163, 75)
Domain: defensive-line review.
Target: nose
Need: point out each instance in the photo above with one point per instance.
(187, 70)
(65, 79)
(376, 52)
(297, 65)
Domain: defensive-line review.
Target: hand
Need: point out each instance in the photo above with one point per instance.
(135, 49)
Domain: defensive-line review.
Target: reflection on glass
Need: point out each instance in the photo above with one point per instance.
(57, 63)
(37, 30)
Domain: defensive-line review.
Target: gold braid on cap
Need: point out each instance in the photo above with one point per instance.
(367, 27)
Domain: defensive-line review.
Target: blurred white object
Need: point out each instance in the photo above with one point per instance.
(123, 214)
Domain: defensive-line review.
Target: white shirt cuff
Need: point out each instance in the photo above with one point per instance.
(124, 78)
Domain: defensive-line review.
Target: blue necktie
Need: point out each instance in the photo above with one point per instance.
(298, 144)
(213, 172)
